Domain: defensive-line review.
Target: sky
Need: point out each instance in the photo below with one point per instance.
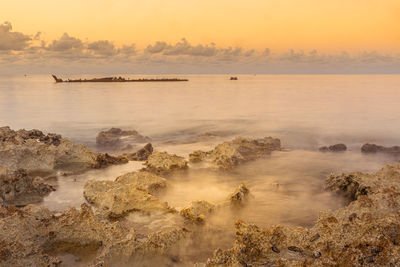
(207, 36)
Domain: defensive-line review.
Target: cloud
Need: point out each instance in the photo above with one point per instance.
(66, 43)
(12, 40)
(102, 48)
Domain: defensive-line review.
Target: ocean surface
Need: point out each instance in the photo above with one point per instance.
(304, 111)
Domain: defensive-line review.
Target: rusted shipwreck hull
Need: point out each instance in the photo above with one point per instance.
(116, 79)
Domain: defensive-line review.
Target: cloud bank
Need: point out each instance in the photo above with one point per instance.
(22, 53)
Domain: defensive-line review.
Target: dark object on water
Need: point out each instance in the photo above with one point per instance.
(234, 78)
(117, 79)
(372, 148)
(334, 148)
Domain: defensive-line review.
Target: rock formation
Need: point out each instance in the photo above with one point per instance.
(364, 233)
(41, 154)
(129, 192)
(18, 188)
(372, 148)
(142, 154)
(115, 138)
(163, 163)
(334, 148)
(229, 154)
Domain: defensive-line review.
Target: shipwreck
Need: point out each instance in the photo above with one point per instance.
(117, 79)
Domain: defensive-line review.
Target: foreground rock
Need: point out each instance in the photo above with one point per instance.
(364, 233)
(34, 236)
(129, 192)
(334, 148)
(115, 138)
(41, 154)
(372, 148)
(163, 163)
(142, 154)
(18, 188)
(230, 154)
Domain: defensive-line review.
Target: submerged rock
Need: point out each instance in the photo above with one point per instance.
(197, 211)
(230, 154)
(34, 236)
(372, 148)
(18, 188)
(240, 196)
(45, 154)
(129, 192)
(334, 148)
(364, 233)
(142, 154)
(115, 138)
(164, 163)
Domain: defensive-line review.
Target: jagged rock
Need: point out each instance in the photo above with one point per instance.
(115, 137)
(34, 236)
(240, 196)
(142, 154)
(18, 188)
(130, 192)
(372, 148)
(230, 154)
(164, 163)
(44, 154)
(197, 211)
(364, 233)
(334, 148)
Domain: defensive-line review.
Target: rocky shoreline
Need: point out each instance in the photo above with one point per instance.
(365, 232)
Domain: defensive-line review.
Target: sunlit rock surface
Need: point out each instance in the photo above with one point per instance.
(364, 233)
(116, 138)
(18, 188)
(129, 192)
(42, 154)
(230, 154)
(142, 154)
(165, 163)
(34, 236)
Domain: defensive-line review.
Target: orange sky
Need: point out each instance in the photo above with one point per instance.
(352, 25)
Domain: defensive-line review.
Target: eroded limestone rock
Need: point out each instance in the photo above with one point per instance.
(334, 148)
(197, 211)
(129, 192)
(364, 233)
(142, 154)
(372, 148)
(41, 154)
(164, 163)
(116, 138)
(18, 188)
(230, 154)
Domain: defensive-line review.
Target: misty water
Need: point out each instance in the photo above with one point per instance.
(304, 111)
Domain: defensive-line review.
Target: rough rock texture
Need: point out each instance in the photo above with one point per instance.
(129, 192)
(372, 148)
(142, 154)
(364, 233)
(44, 154)
(240, 196)
(116, 138)
(197, 211)
(229, 154)
(18, 188)
(164, 163)
(34, 236)
(334, 148)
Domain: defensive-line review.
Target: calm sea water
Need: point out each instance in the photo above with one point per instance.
(304, 111)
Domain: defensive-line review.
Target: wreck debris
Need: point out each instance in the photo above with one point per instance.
(116, 79)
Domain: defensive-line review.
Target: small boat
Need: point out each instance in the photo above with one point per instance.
(116, 79)
(233, 78)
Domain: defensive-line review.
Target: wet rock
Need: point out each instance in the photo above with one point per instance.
(230, 154)
(372, 148)
(197, 211)
(334, 148)
(142, 154)
(240, 196)
(18, 188)
(34, 236)
(164, 163)
(115, 138)
(366, 232)
(41, 154)
(130, 192)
